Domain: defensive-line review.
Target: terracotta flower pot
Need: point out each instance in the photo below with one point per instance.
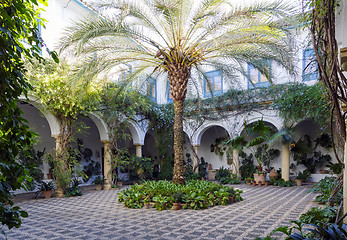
(231, 200)
(254, 184)
(47, 194)
(298, 182)
(119, 184)
(177, 206)
(259, 183)
(146, 205)
(98, 187)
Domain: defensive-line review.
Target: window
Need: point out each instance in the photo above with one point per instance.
(309, 65)
(169, 97)
(256, 79)
(124, 73)
(213, 83)
(152, 88)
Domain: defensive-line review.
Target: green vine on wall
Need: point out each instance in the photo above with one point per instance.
(294, 101)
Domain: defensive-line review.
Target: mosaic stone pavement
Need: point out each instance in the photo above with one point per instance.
(98, 216)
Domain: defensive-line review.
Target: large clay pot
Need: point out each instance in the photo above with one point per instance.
(259, 177)
(98, 187)
(47, 194)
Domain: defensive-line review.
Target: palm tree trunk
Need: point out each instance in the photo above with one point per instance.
(178, 174)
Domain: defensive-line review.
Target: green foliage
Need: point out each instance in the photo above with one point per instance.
(161, 119)
(304, 176)
(118, 107)
(319, 216)
(299, 102)
(304, 152)
(325, 188)
(32, 159)
(46, 185)
(336, 168)
(247, 167)
(140, 168)
(74, 190)
(98, 180)
(282, 183)
(189, 173)
(260, 135)
(93, 168)
(224, 176)
(19, 39)
(195, 194)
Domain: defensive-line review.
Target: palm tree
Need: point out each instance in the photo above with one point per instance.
(182, 39)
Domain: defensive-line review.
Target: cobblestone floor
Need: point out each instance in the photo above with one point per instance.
(98, 216)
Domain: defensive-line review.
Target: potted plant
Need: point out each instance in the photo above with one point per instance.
(249, 181)
(98, 181)
(146, 201)
(47, 187)
(302, 177)
(177, 196)
(231, 194)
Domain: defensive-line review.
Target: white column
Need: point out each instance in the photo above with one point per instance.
(236, 163)
(107, 165)
(285, 161)
(138, 150)
(195, 159)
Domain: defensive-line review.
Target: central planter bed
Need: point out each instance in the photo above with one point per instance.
(194, 195)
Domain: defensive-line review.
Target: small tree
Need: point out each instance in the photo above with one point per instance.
(66, 100)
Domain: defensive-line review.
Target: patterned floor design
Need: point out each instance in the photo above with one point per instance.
(98, 216)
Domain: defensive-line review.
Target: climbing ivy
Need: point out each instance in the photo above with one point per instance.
(294, 102)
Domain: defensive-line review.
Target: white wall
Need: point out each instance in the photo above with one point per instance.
(60, 14)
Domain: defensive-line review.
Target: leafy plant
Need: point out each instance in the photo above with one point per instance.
(336, 168)
(74, 189)
(319, 216)
(46, 186)
(93, 168)
(282, 183)
(98, 180)
(223, 175)
(140, 168)
(304, 176)
(247, 167)
(177, 196)
(195, 194)
(304, 153)
(160, 202)
(325, 189)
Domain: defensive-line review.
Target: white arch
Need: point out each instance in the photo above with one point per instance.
(51, 119)
(137, 133)
(196, 138)
(277, 124)
(101, 125)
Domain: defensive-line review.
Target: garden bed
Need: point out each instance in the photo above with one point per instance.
(195, 195)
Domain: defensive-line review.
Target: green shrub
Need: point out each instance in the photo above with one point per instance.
(195, 194)
(74, 189)
(282, 183)
(325, 188)
(319, 216)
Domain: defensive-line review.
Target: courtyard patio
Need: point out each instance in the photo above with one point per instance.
(98, 215)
